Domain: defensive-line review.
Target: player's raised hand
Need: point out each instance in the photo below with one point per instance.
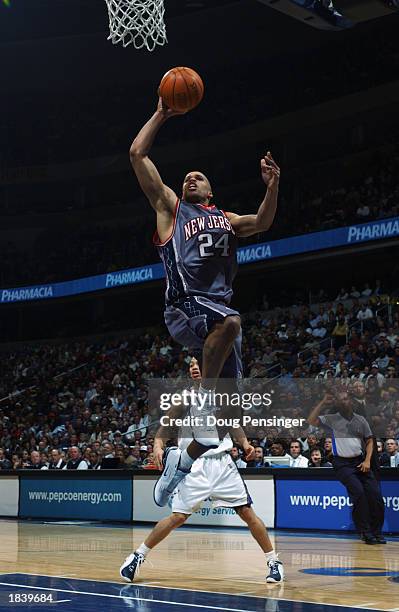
(166, 111)
(270, 171)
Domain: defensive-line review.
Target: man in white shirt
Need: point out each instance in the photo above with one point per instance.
(375, 373)
(319, 331)
(364, 313)
(392, 337)
(296, 458)
(391, 447)
(56, 462)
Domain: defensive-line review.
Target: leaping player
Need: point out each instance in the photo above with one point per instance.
(197, 243)
(215, 476)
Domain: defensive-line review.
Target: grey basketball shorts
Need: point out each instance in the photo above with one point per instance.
(191, 319)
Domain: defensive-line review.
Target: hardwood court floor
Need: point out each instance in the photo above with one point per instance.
(329, 570)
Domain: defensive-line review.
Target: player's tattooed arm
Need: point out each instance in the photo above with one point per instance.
(238, 436)
(248, 225)
(161, 197)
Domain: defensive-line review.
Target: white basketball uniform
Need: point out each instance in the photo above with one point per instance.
(214, 475)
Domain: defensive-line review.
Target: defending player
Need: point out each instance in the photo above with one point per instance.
(213, 475)
(197, 243)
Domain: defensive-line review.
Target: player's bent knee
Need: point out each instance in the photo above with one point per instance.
(246, 514)
(178, 518)
(232, 325)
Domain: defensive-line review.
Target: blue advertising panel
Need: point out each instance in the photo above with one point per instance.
(343, 236)
(132, 276)
(76, 498)
(325, 504)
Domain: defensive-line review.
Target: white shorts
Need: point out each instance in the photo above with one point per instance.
(216, 478)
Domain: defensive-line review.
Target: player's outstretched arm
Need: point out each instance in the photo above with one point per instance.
(248, 225)
(160, 196)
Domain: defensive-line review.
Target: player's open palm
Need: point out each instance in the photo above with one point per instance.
(270, 171)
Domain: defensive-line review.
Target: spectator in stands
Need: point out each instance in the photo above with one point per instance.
(108, 450)
(391, 448)
(35, 461)
(25, 460)
(56, 461)
(277, 449)
(392, 337)
(317, 459)
(358, 394)
(376, 376)
(143, 453)
(340, 332)
(149, 462)
(311, 441)
(5, 464)
(95, 461)
(320, 331)
(342, 295)
(328, 450)
(16, 462)
(365, 316)
(354, 293)
(363, 212)
(384, 459)
(121, 455)
(297, 459)
(366, 291)
(76, 461)
(235, 455)
(258, 461)
(133, 461)
(269, 356)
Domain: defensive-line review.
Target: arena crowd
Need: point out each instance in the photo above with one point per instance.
(84, 404)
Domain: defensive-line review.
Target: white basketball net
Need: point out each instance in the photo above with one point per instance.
(137, 21)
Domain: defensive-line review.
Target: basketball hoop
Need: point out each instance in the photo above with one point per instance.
(137, 22)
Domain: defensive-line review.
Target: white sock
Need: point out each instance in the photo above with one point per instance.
(271, 556)
(186, 461)
(143, 550)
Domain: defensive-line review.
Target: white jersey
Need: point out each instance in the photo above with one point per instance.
(186, 435)
(225, 446)
(213, 476)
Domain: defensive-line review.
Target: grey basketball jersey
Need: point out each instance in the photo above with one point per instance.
(200, 257)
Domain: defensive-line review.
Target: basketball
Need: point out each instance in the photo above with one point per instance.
(181, 89)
